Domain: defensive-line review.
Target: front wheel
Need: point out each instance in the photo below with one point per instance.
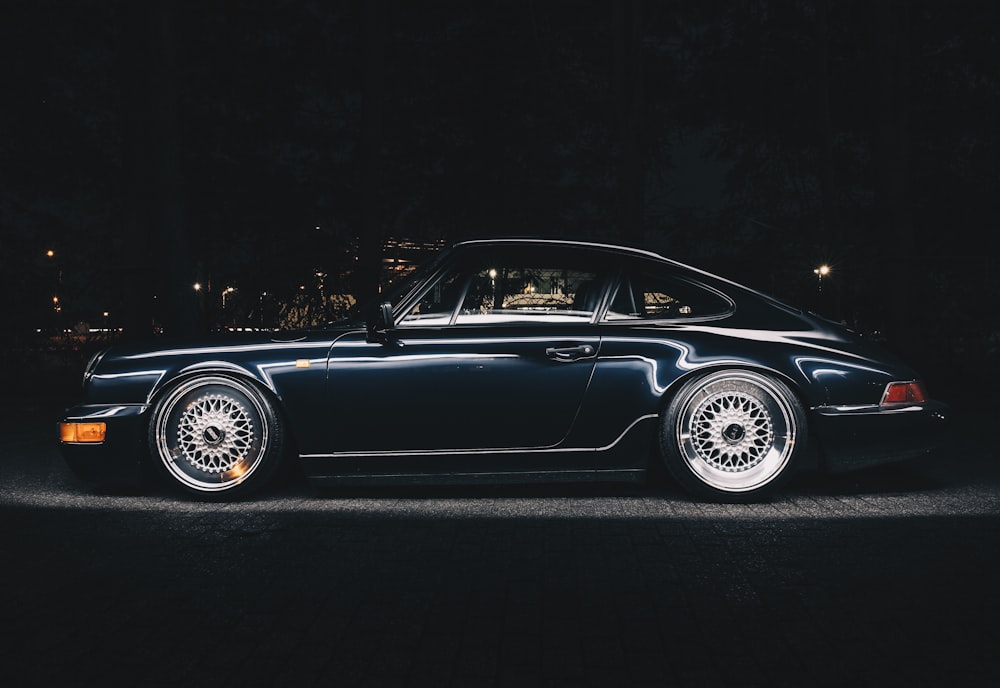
(216, 437)
(732, 436)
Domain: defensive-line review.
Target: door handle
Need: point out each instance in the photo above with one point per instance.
(569, 353)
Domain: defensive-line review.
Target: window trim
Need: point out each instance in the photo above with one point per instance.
(612, 294)
(603, 281)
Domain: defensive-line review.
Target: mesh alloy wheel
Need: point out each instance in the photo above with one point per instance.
(732, 435)
(731, 432)
(215, 432)
(216, 435)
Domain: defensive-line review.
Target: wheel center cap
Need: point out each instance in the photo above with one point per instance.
(733, 433)
(213, 435)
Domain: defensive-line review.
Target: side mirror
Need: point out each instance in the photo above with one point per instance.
(381, 323)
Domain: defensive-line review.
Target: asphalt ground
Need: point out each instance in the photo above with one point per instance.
(884, 577)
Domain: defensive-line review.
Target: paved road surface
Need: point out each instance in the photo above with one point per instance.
(887, 577)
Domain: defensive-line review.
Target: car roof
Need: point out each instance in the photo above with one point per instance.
(616, 248)
(549, 241)
(625, 250)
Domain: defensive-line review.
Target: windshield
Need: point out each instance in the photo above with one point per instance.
(395, 292)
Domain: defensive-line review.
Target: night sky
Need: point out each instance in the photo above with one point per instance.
(154, 145)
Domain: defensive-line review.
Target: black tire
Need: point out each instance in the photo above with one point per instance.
(732, 435)
(216, 437)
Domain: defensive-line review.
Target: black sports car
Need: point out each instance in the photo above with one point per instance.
(514, 360)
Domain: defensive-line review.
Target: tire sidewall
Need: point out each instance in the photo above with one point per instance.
(266, 449)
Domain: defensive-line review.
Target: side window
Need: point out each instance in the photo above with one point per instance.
(509, 292)
(648, 295)
(513, 284)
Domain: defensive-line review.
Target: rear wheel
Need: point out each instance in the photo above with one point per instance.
(216, 436)
(733, 435)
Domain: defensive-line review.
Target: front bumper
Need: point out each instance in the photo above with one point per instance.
(857, 437)
(119, 458)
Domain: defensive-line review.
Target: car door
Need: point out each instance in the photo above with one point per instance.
(494, 353)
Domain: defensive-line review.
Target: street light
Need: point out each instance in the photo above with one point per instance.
(821, 272)
(50, 253)
(227, 290)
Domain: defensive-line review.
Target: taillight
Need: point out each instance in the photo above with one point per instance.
(904, 393)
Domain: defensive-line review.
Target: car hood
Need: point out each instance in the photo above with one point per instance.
(223, 340)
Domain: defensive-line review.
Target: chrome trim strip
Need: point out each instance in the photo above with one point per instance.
(460, 452)
(870, 409)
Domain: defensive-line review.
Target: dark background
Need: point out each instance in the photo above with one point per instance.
(280, 154)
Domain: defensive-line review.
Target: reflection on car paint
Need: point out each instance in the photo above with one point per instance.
(540, 399)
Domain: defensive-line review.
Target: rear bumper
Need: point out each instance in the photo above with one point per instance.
(119, 458)
(857, 437)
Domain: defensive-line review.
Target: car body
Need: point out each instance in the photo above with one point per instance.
(514, 360)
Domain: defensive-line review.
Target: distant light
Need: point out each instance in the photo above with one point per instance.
(197, 286)
(50, 253)
(822, 270)
(105, 314)
(55, 299)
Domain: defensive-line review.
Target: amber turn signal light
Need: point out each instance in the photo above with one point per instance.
(77, 433)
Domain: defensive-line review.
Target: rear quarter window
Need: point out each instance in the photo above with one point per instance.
(647, 294)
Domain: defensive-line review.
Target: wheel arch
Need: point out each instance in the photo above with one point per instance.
(810, 455)
(222, 368)
(233, 372)
(677, 384)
